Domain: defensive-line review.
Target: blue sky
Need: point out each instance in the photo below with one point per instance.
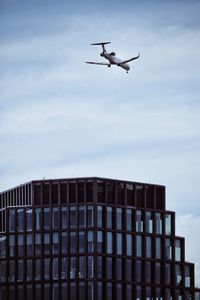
(62, 118)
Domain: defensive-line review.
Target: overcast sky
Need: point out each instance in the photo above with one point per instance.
(60, 117)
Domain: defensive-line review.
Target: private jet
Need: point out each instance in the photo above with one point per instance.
(112, 58)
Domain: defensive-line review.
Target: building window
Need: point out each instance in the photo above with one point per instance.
(158, 248)
(139, 221)
(138, 271)
(38, 219)
(11, 220)
(20, 270)
(47, 218)
(55, 291)
(128, 292)
(82, 267)
(90, 291)
(109, 217)
(99, 267)
(158, 272)
(3, 271)
(119, 243)
(178, 274)
(82, 290)
(128, 270)
(149, 222)
(38, 269)
(138, 293)
(158, 223)
(128, 219)
(119, 269)
(99, 241)
(99, 216)
(119, 219)
(177, 250)
(11, 246)
(63, 291)
(55, 243)
(128, 244)
(37, 244)
(73, 243)
(28, 219)
(148, 293)
(73, 290)
(46, 268)
(119, 291)
(29, 244)
(29, 292)
(55, 273)
(64, 268)
(47, 245)
(90, 241)
(109, 267)
(167, 274)
(109, 243)
(82, 217)
(138, 245)
(64, 218)
(73, 217)
(29, 275)
(47, 291)
(99, 291)
(109, 290)
(90, 266)
(20, 220)
(90, 216)
(187, 276)
(168, 249)
(168, 224)
(148, 271)
(73, 267)
(20, 244)
(148, 246)
(81, 241)
(55, 218)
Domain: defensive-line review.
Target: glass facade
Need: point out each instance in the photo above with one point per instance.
(93, 239)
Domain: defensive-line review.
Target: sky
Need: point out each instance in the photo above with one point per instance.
(60, 117)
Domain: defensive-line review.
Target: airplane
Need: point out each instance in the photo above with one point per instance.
(112, 58)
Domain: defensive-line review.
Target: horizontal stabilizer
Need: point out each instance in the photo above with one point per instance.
(102, 43)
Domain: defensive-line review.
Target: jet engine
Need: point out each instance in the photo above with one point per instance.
(113, 53)
(102, 54)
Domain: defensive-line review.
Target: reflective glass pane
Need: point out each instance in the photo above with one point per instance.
(128, 270)
(29, 275)
(55, 273)
(38, 219)
(99, 291)
(11, 220)
(90, 238)
(20, 220)
(11, 276)
(109, 290)
(158, 248)
(149, 222)
(139, 221)
(138, 271)
(64, 242)
(38, 269)
(82, 267)
(37, 244)
(47, 218)
(167, 274)
(177, 250)
(128, 219)
(90, 291)
(109, 267)
(128, 244)
(73, 217)
(168, 249)
(47, 291)
(64, 218)
(46, 268)
(119, 291)
(47, 245)
(99, 241)
(90, 266)
(119, 269)
(90, 216)
(167, 224)
(55, 218)
(138, 245)
(109, 242)
(82, 290)
(82, 216)
(20, 243)
(29, 219)
(55, 294)
(73, 242)
(29, 245)
(109, 217)
(99, 267)
(119, 218)
(99, 216)
(148, 271)
(11, 245)
(64, 268)
(119, 243)
(178, 274)
(63, 291)
(187, 276)
(158, 223)
(82, 240)
(158, 272)
(128, 292)
(73, 267)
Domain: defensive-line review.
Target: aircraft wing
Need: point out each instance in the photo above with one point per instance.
(97, 63)
(128, 60)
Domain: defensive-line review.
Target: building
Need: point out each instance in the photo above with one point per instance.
(91, 238)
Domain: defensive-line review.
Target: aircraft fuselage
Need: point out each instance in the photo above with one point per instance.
(114, 60)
